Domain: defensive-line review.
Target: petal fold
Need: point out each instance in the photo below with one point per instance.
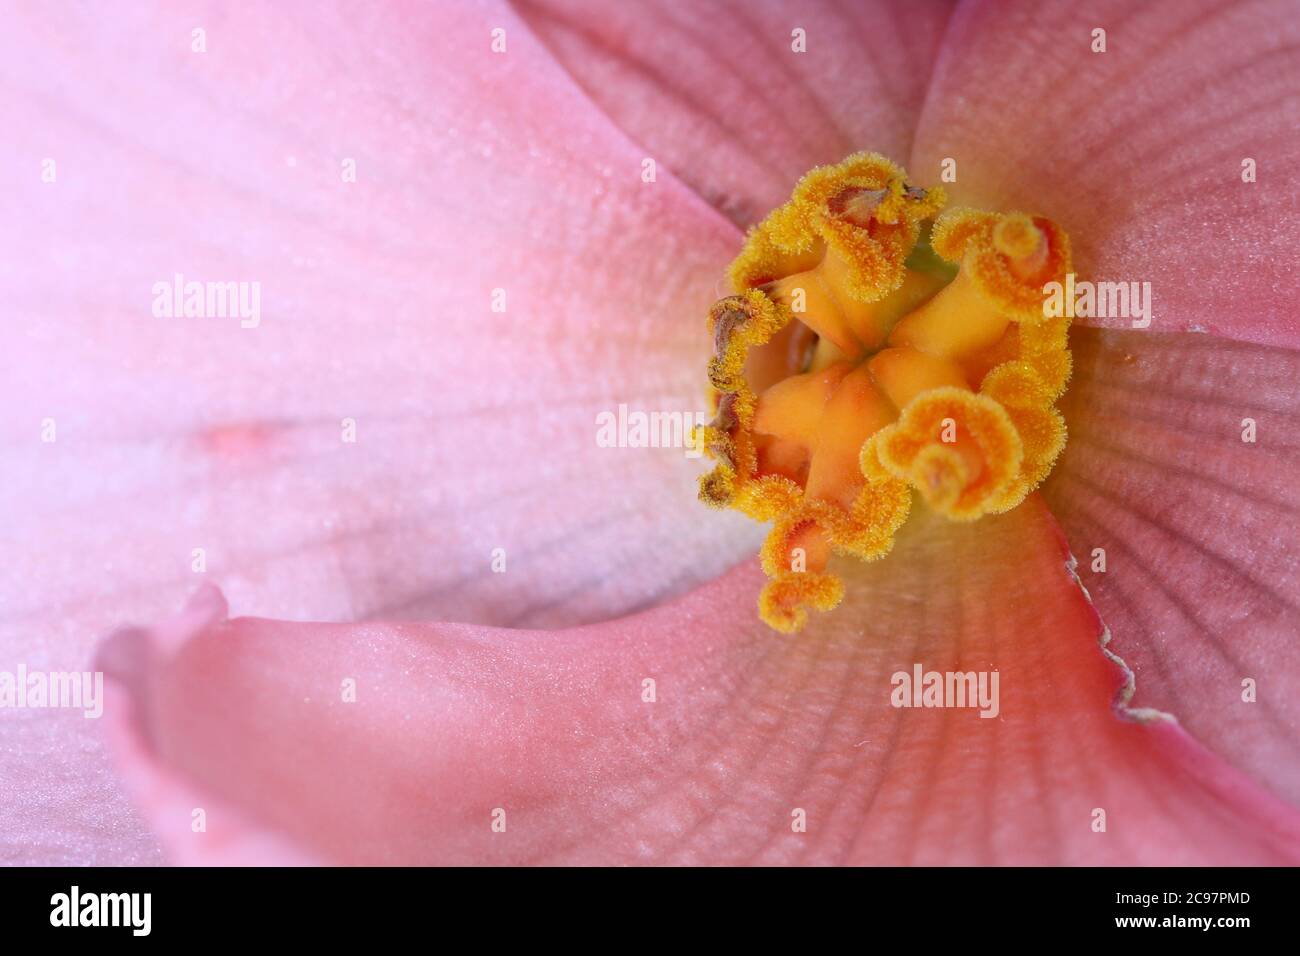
(689, 734)
(417, 398)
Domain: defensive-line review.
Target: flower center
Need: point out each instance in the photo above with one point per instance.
(876, 347)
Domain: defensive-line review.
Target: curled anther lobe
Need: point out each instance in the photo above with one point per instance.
(728, 314)
(725, 419)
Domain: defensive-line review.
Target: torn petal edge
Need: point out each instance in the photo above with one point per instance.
(1119, 702)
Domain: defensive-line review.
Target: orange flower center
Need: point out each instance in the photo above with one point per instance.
(875, 347)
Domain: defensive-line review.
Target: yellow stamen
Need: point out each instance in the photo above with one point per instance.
(959, 449)
(852, 367)
(1017, 238)
(785, 600)
(830, 208)
(1010, 278)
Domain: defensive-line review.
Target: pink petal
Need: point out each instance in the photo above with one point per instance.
(452, 723)
(233, 840)
(1201, 586)
(1137, 151)
(717, 93)
(475, 429)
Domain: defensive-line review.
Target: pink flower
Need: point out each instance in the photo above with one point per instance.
(147, 454)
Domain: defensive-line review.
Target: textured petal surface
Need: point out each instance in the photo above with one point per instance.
(1137, 151)
(453, 725)
(1201, 579)
(474, 429)
(717, 92)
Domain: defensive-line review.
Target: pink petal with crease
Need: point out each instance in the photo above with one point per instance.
(475, 430)
(453, 722)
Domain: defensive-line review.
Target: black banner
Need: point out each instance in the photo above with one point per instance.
(336, 906)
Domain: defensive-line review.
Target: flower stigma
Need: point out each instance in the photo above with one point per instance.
(879, 347)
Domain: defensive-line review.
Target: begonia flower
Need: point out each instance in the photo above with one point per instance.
(477, 228)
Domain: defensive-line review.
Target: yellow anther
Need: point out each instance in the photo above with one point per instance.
(796, 544)
(941, 474)
(879, 511)
(1017, 238)
(1007, 277)
(1042, 436)
(737, 324)
(873, 468)
(718, 487)
(863, 209)
(1045, 345)
(950, 435)
(854, 367)
(767, 497)
(1027, 400)
(1017, 385)
(785, 601)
